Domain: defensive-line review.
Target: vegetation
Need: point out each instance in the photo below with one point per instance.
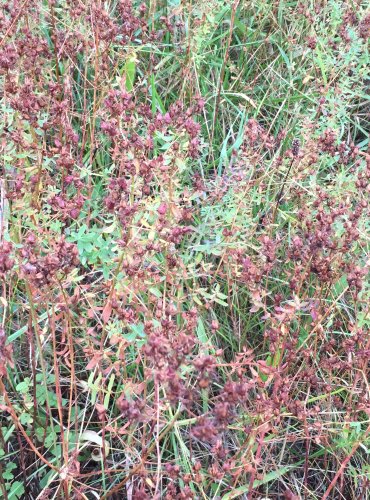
(184, 249)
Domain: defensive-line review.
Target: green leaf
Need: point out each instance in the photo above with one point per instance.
(129, 71)
(25, 418)
(137, 331)
(221, 302)
(23, 387)
(16, 491)
(157, 293)
(271, 476)
(50, 439)
(202, 335)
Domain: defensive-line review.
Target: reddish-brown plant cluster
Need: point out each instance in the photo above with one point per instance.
(166, 306)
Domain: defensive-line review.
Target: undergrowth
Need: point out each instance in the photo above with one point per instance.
(184, 249)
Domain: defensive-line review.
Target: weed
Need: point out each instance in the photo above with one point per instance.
(184, 249)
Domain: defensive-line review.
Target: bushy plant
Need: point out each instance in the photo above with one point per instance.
(184, 250)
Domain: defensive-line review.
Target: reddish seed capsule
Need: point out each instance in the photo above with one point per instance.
(215, 324)
(162, 209)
